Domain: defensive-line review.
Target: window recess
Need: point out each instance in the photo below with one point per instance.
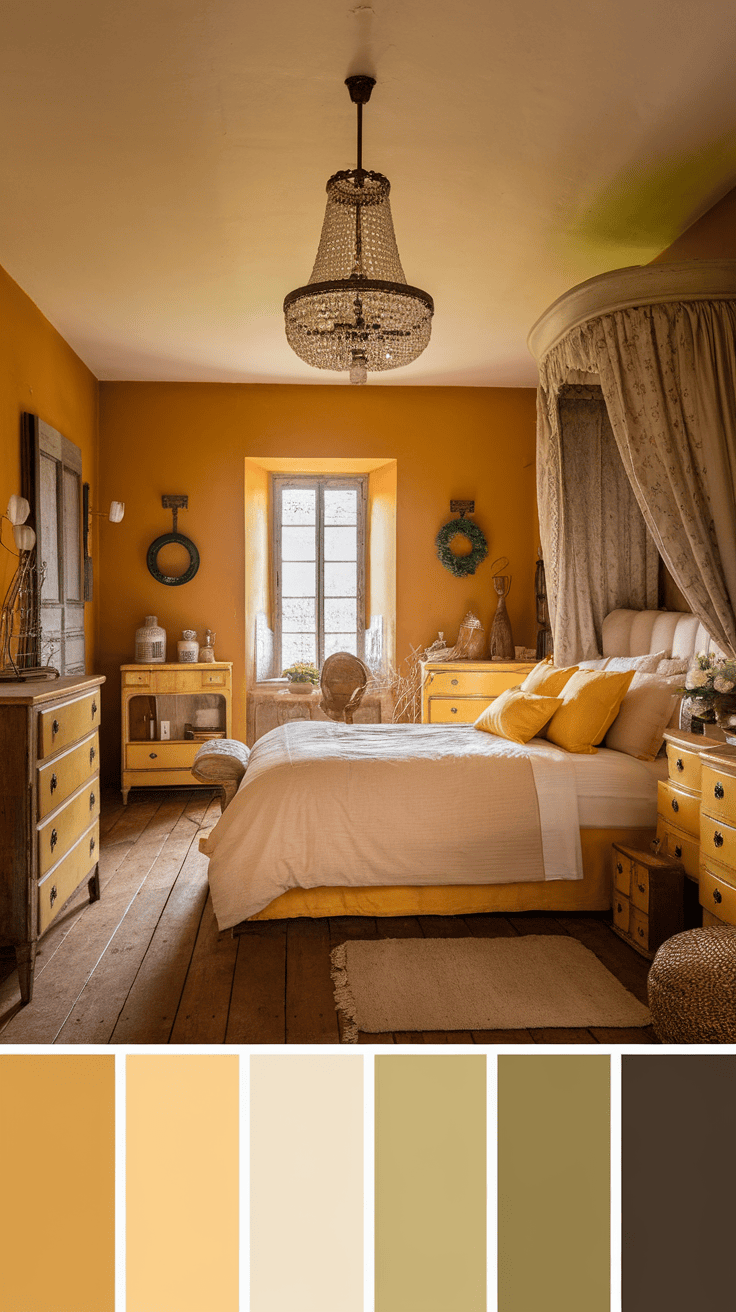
(319, 567)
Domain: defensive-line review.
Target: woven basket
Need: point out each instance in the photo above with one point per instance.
(692, 987)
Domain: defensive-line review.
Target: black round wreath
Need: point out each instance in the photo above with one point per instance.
(172, 580)
(461, 565)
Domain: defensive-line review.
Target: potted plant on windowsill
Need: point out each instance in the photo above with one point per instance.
(302, 676)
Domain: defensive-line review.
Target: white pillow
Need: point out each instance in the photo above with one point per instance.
(645, 713)
(599, 664)
(676, 666)
(646, 664)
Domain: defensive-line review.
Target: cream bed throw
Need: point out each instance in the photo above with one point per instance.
(354, 805)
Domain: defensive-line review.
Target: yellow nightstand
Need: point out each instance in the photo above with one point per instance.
(154, 693)
(718, 836)
(455, 692)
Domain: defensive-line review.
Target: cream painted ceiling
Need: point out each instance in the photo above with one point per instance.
(164, 164)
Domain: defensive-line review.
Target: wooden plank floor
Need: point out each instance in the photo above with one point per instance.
(147, 965)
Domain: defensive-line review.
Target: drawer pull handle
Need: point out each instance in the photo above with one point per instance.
(54, 839)
(619, 867)
(454, 682)
(642, 888)
(55, 728)
(53, 895)
(454, 710)
(640, 932)
(94, 709)
(679, 764)
(91, 800)
(91, 846)
(54, 783)
(152, 755)
(675, 804)
(717, 896)
(718, 791)
(678, 850)
(619, 908)
(718, 839)
(92, 754)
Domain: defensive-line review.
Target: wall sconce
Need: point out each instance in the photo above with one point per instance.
(16, 514)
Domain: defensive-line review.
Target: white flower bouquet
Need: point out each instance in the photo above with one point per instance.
(710, 677)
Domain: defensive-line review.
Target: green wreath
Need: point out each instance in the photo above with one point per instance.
(461, 565)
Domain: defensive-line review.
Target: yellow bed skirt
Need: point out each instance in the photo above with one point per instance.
(591, 893)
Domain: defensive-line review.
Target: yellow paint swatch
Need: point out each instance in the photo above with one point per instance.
(182, 1172)
(553, 1184)
(57, 1214)
(306, 1208)
(430, 1184)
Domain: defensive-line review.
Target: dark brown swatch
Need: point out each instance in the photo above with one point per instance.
(677, 1191)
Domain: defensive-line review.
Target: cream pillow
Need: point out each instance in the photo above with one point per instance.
(646, 664)
(546, 679)
(590, 702)
(678, 665)
(517, 715)
(644, 714)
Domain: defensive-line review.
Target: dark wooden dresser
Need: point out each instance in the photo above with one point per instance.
(49, 806)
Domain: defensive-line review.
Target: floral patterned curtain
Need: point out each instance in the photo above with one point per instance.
(668, 376)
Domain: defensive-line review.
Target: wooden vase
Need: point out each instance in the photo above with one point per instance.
(502, 640)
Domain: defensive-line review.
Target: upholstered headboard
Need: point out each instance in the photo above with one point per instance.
(636, 632)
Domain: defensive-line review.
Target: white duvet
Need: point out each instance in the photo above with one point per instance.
(334, 804)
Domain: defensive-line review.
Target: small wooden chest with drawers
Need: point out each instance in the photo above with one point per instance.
(49, 807)
(455, 692)
(647, 898)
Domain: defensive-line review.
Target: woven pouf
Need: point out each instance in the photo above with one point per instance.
(692, 987)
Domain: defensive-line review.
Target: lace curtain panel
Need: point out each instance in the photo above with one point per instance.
(668, 377)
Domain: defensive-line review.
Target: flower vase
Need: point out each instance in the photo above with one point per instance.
(301, 689)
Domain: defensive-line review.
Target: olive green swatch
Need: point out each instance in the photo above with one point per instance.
(553, 1183)
(430, 1184)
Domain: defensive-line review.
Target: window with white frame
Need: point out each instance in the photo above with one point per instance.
(319, 567)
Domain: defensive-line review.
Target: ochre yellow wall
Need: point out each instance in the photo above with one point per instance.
(193, 438)
(711, 237)
(40, 373)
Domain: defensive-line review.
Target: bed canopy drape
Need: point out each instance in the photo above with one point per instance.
(656, 348)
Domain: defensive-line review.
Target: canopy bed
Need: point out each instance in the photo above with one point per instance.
(637, 368)
(636, 460)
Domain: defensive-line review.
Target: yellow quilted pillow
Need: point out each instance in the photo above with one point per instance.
(590, 704)
(548, 680)
(517, 715)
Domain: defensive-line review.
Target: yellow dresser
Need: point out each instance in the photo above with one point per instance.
(49, 806)
(718, 836)
(455, 692)
(678, 800)
(192, 700)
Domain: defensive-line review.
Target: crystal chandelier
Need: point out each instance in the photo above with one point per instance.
(357, 312)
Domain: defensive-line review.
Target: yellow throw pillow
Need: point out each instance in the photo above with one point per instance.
(517, 715)
(590, 704)
(548, 680)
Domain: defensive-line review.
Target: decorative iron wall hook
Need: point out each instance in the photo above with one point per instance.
(174, 503)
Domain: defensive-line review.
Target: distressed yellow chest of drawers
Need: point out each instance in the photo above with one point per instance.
(176, 695)
(678, 798)
(455, 692)
(49, 807)
(718, 836)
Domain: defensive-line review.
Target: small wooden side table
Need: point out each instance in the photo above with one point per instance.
(647, 898)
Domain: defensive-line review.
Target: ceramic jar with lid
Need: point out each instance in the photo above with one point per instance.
(150, 642)
(188, 648)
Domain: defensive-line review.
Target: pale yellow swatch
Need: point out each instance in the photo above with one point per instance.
(182, 1183)
(306, 1198)
(430, 1184)
(57, 1208)
(553, 1183)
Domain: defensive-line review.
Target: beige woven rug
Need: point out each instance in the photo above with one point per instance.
(531, 982)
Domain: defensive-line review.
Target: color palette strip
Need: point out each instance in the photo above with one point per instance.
(57, 1204)
(302, 1120)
